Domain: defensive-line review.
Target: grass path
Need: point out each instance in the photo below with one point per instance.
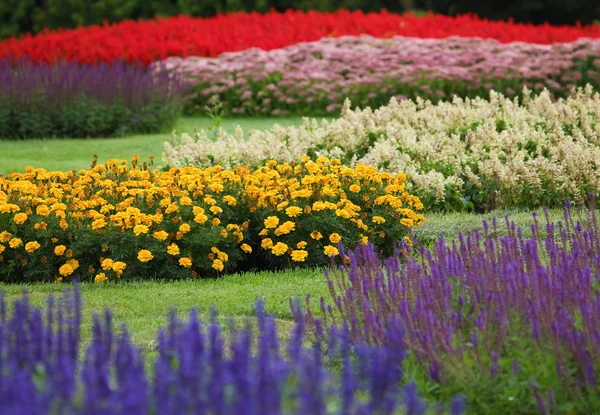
(69, 154)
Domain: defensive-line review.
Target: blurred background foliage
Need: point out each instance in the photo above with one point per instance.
(18, 17)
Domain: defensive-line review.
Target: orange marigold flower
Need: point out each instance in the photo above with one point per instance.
(59, 250)
(216, 222)
(330, 250)
(20, 218)
(185, 262)
(218, 265)
(15, 243)
(378, 220)
(66, 270)
(107, 264)
(173, 249)
(335, 238)
(32, 246)
(160, 235)
(271, 222)
(299, 255)
(316, 235)
(119, 267)
(100, 278)
(144, 255)
(279, 249)
(267, 243)
(5, 236)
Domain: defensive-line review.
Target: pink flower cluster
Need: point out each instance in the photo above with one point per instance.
(316, 77)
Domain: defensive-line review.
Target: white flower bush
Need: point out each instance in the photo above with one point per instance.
(465, 154)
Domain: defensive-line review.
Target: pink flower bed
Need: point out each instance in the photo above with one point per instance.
(316, 77)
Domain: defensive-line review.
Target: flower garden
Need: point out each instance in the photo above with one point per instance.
(431, 246)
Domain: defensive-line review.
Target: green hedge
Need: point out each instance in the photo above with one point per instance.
(22, 16)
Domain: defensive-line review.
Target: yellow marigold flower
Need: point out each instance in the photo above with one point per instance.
(119, 267)
(218, 265)
(15, 242)
(271, 222)
(185, 262)
(42, 210)
(100, 278)
(316, 235)
(307, 210)
(293, 211)
(3, 248)
(104, 248)
(318, 206)
(264, 232)
(230, 200)
(66, 270)
(364, 239)
(140, 229)
(107, 264)
(210, 201)
(31, 246)
(378, 220)
(267, 243)
(246, 248)
(285, 228)
(215, 210)
(282, 205)
(160, 235)
(408, 240)
(54, 240)
(63, 224)
(222, 256)
(200, 219)
(98, 224)
(216, 221)
(301, 244)
(41, 225)
(144, 255)
(172, 208)
(279, 249)
(184, 228)
(355, 188)
(335, 238)
(185, 201)
(73, 263)
(330, 250)
(224, 233)
(406, 222)
(299, 255)
(5, 236)
(20, 218)
(197, 210)
(173, 249)
(59, 250)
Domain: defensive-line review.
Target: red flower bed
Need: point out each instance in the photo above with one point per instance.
(153, 40)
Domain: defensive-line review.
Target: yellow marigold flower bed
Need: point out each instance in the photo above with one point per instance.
(123, 220)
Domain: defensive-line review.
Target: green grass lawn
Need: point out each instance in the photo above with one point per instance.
(69, 154)
(144, 305)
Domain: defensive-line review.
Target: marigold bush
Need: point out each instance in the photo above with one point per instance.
(152, 40)
(315, 78)
(471, 154)
(119, 220)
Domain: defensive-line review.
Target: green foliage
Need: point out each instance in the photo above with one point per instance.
(82, 118)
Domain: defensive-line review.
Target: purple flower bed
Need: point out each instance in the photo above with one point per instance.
(69, 100)
(194, 371)
(511, 322)
(316, 77)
